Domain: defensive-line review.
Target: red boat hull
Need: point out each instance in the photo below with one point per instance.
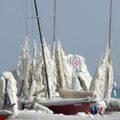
(71, 109)
(3, 117)
(68, 106)
(4, 114)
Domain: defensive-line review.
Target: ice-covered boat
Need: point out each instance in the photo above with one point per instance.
(102, 81)
(68, 106)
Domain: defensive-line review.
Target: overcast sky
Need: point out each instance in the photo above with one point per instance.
(82, 28)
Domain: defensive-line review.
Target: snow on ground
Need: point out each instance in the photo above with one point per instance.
(37, 115)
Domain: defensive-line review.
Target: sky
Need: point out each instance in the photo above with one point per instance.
(81, 25)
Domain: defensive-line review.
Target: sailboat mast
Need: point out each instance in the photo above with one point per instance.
(54, 31)
(110, 20)
(42, 46)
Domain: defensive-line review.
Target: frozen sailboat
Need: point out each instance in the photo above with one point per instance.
(65, 106)
(102, 81)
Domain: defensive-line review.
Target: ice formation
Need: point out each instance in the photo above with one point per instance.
(36, 72)
(82, 72)
(10, 90)
(42, 108)
(51, 70)
(61, 75)
(31, 74)
(103, 78)
(23, 67)
(65, 81)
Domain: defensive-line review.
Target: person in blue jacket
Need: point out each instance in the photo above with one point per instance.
(94, 109)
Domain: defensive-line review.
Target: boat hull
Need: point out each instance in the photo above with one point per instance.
(4, 114)
(3, 117)
(71, 109)
(68, 106)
